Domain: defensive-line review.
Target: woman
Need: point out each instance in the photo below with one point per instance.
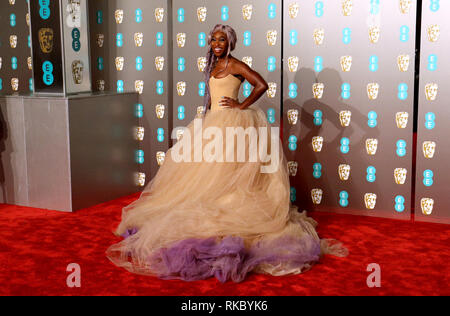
(198, 219)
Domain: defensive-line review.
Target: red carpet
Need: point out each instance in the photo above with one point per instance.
(37, 245)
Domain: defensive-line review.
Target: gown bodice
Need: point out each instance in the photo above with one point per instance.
(223, 87)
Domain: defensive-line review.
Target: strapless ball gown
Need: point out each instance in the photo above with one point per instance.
(196, 220)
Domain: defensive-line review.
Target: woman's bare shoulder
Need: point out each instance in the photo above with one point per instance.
(238, 65)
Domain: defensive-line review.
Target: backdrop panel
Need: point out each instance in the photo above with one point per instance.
(348, 87)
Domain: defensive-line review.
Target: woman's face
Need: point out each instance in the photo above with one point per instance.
(219, 43)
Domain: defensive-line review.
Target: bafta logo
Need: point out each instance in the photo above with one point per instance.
(159, 15)
(272, 91)
(433, 32)
(346, 63)
(431, 91)
(13, 41)
(179, 133)
(371, 146)
(403, 62)
(28, 19)
(160, 108)
(181, 39)
(373, 90)
(118, 16)
(100, 40)
(248, 60)
(400, 175)
(292, 167)
(29, 63)
(200, 110)
(316, 196)
(318, 90)
(1, 61)
(140, 179)
(401, 118)
(159, 63)
(292, 116)
(271, 37)
(374, 34)
(101, 85)
(247, 10)
(139, 133)
(201, 64)
(160, 156)
(12, 2)
(74, 14)
(15, 84)
(138, 39)
(319, 35)
(370, 199)
(293, 10)
(317, 143)
(181, 88)
(344, 172)
(429, 148)
(293, 62)
(139, 86)
(345, 118)
(347, 7)
(46, 40)
(427, 205)
(405, 6)
(119, 61)
(201, 14)
(77, 71)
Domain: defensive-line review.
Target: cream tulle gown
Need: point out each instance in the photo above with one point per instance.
(196, 220)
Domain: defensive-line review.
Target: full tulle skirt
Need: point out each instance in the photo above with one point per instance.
(223, 218)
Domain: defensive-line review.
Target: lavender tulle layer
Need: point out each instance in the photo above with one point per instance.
(196, 220)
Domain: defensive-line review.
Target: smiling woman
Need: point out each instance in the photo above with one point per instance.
(201, 219)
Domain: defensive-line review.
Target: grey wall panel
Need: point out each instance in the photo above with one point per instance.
(432, 181)
(329, 17)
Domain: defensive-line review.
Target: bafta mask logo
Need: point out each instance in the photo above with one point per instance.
(139, 133)
(427, 205)
(28, 19)
(373, 90)
(248, 60)
(200, 110)
(160, 109)
(344, 172)
(74, 14)
(181, 88)
(29, 63)
(319, 35)
(403, 62)
(318, 90)
(429, 148)
(292, 167)
(46, 40)
(345, 118)
(201, 14)
(179, 133)
(77, 71)
(247, 10)
(317, 143)
(346, 63)
(12, 2)
(101, 85)
(159, 63)
(292, 116)
(181, 39)
(139, 86)
(371, 146)
(347, 7)
(1, 61)
(138, 39)
(140, 179)
(13, 41)
(293, 62)
(100, 40)
(119, 63)
(316, 195)
(431, 91)
(15, 84)
(271, 37)
(160, 156)
(159, 15)
(374, 34)
(405, 6)
(201, 64)
(119, 16)
(433, 32)
(293, 10)
(272, 91)
(401, 118)
(370, 199)
(400, 175)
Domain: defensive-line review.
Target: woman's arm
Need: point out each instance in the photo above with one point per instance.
(254, 78)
